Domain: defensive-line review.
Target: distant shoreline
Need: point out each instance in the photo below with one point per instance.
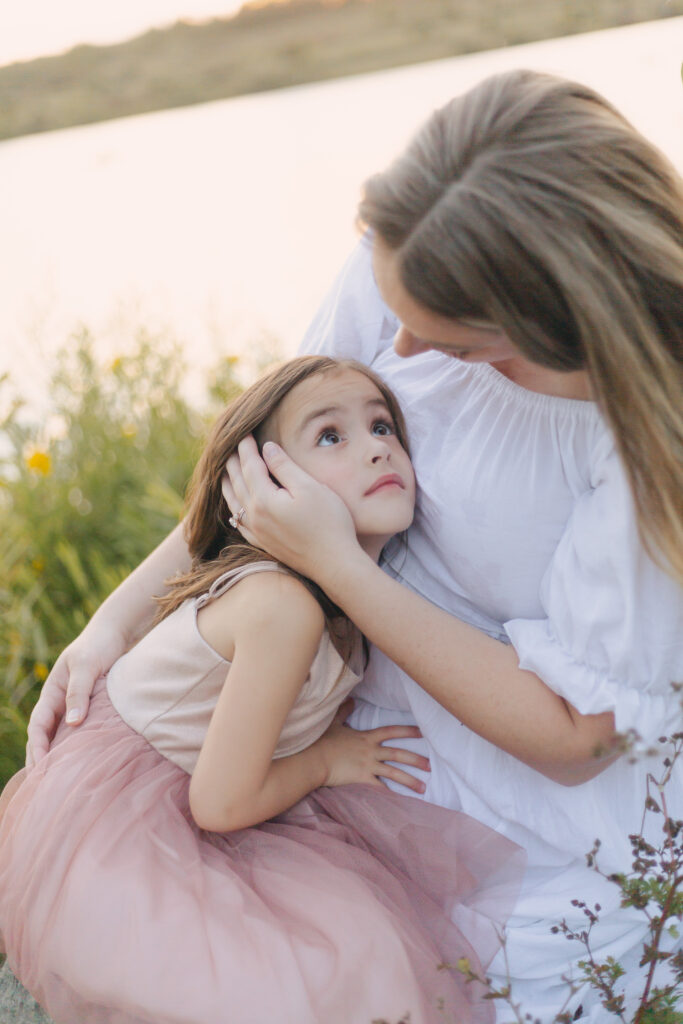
(277, 46)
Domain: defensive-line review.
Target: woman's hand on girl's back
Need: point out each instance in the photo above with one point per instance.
(302, 523)
(354, 755)
(67, 689)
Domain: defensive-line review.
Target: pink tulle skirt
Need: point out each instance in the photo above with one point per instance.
(116, 909)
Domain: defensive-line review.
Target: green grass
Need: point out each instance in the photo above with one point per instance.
(284, 45)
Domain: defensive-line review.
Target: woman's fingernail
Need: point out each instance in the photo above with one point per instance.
(73, 715)
(270, 448)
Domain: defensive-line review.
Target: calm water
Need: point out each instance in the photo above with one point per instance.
(224, 224)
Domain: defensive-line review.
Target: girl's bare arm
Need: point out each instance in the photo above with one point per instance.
(276, 625)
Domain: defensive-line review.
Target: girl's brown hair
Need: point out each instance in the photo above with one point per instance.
(531, 202)
(214, 545)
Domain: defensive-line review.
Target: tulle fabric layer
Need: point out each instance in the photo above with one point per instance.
(116, 909)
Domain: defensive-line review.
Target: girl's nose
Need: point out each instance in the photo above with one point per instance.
(406, 344)
(379, 450)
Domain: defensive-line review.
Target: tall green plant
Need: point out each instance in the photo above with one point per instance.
(85, 493)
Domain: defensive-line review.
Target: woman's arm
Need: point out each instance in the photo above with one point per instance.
(476, 678)
(277, 625)
(473, 676)
(119, 621)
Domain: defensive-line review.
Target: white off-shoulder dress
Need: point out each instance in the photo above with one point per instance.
(526, 529)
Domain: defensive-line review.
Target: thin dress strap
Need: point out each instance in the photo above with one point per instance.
(232, 576)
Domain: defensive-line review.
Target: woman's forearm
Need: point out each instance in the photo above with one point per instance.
(130, 609)
(476, 678)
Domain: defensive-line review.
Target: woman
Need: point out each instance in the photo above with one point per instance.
(532, 234)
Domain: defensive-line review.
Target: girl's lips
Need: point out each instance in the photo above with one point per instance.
(385, 481)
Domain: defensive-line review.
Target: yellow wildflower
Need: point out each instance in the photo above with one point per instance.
(41, 671)
(38, 564)
(39, 462)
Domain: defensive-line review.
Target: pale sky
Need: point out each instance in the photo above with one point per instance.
(32, 28)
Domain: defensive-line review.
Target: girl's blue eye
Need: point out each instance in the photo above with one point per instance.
(381, 428)
(328, 437)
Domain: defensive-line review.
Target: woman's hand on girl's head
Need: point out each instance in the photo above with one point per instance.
(302, 523)
(353, 755)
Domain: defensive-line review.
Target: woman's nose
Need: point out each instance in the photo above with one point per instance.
(406, 344)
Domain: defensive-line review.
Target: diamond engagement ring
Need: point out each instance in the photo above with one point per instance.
(236, 520)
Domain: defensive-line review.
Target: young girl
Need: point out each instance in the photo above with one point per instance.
(136, 883)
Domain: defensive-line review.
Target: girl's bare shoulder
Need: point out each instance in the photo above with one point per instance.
(273, 604)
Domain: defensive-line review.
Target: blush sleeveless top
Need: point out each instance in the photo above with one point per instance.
(167, 686)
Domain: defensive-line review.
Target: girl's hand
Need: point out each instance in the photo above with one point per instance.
(67, 689)
(352, 755)
(302, 523)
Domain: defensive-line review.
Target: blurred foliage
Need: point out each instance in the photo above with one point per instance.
(85, 495)
(268, 46)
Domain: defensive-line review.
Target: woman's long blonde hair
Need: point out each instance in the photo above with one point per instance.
(531, 202)
(213, 544)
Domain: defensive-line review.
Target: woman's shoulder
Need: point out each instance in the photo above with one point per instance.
(353, 321)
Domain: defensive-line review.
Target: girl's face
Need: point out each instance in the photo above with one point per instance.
(336, 426)
(421, 330)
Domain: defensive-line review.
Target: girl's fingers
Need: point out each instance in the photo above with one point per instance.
(395, 732)
(387, 771)
(404, 757)
(374, 781)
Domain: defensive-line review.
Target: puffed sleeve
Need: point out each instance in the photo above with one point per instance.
(613, 636)
(353, 322)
